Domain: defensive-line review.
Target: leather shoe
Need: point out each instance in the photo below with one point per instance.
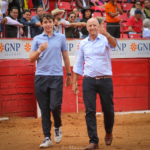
(91, 146)
(108, 139)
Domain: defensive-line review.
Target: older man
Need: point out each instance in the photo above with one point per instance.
(94, 51)
(146, 29)
(134, 23)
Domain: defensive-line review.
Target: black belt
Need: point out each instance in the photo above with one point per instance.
(99, 77)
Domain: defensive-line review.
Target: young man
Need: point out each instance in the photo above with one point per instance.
(25, 20)
(94, 53)
(135, 23)
(47, 49)
(36, 30)
(112, 11)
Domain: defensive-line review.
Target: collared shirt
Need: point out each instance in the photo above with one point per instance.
(146, 33)
(59, 27)
(36, 30)
(96, 55)
(50, 61)
(136, 25)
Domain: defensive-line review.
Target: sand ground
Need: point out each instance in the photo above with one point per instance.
(131, 132)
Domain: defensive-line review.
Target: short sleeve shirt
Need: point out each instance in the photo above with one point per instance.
(136, 25)
(50, 62)
(111, 8)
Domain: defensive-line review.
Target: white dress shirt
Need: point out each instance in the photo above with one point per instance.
(146, 33)
(96, 56)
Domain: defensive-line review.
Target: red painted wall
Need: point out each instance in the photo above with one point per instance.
(130, 79)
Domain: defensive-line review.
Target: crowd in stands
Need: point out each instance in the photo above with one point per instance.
(16, 16)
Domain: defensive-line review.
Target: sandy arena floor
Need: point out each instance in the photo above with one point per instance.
(131, 132)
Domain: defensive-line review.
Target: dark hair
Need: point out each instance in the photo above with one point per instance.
(77, 10)
(47, 16)
(136, 2)
(14, 7)
(71, 13)
(39, 7)
(26, 10)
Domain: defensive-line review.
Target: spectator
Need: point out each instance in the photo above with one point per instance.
(146, 29)
(147, 8)
(12, 28)
(137, 5)
(61, 22)
(112, 11)
(101, 21)
(82, 3)
(134, 23)
(72, 32)
(25, 20)
(76, 11)
(87, 14)
(36, 30)
(16, 4)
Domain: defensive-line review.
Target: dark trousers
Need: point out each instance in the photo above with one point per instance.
(48, 91)
(113, 30)
(104, 87)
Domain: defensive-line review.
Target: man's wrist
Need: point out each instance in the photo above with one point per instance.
(39, 50)
(69, 74)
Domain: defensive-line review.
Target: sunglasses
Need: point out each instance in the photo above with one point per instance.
(138, 4)
(72, 16)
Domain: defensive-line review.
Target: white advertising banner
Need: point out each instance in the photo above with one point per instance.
(18, 48)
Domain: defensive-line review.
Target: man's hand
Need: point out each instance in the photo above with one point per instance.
(68, 81)
(75, 89)
(103, 31)
(4, 21)
(43, 46)
(115, 3)
(38, 24)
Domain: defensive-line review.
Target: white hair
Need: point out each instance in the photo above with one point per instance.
(146, 23)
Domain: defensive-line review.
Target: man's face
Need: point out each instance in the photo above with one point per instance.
(27, 16)
(48, 25)
(92, 26)
(138, 16)
(72, 18)
(14, 13)
(147, 4)
(39, 12)
(58, 16)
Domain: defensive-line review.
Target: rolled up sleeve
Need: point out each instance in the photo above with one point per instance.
(78, 67)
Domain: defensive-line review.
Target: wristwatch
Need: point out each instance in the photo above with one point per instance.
(69, 74)
(39, 50)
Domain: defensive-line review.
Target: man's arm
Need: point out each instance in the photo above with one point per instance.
(67, 66)
(118, 8)
(74, 84)
(79, 4)
(131, 29)
(29, 23)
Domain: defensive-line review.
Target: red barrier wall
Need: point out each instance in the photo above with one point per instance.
(130, 79)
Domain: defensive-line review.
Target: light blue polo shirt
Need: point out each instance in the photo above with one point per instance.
(49, 62)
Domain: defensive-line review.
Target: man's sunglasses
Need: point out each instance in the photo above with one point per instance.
(73, 17)
(138, 4)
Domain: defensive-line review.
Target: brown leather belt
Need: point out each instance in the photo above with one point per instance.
(99, 77)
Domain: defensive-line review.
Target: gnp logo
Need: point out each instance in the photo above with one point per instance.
(8, 47)
(27, 47)
(140, 47)
(1, 47)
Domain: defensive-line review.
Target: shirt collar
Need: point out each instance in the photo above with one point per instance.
(98, 37)
(44, 34)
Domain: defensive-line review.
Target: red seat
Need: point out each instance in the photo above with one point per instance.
(64, 5)
(127, 6)
(96, 14)
(73, 5)
(104, 14)
(80, 15)
(124, 36)
(123, 17)
(134, 36)
(33, 13)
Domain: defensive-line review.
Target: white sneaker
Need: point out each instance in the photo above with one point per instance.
(57, 135)
(46, 143)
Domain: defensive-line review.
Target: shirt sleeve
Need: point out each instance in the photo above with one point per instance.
(78, 67)
(129, 22)
(107, 8)
(34, 20)
(64, 44)
(34, 46)
(108, 45)
(12, 22)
